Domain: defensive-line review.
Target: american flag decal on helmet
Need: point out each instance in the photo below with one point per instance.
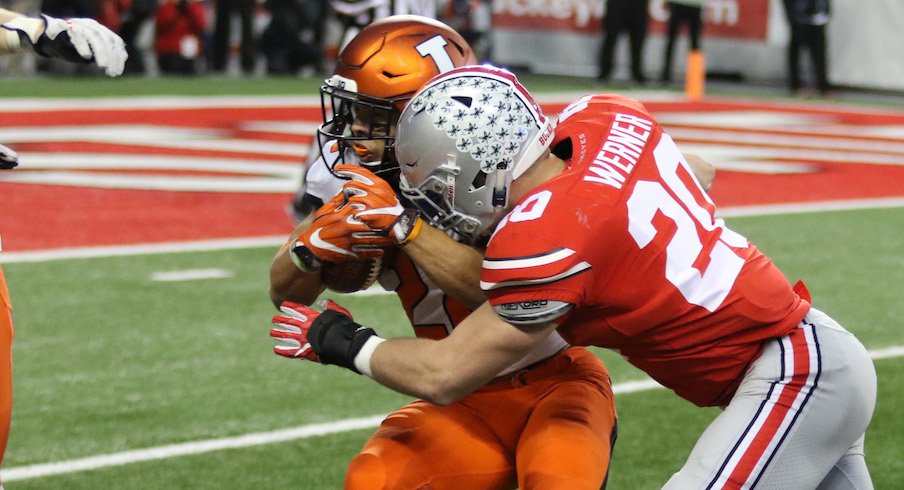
(544, 268)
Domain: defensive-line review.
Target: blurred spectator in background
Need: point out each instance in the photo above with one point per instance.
(69, 8)
(808, 20)
(472, 19)
(682, 12)
(180, 27)
(630, 16)
(354, 15)
(289, 40)
(133, 14)
(222, 34)
(109, 13)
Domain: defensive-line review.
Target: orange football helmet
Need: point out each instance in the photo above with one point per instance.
(376, 74)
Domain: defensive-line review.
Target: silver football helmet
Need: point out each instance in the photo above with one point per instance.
(461, 142)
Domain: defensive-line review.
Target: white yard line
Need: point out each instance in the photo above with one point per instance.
(191, 275)
(810, 207)
(276, 241)
(188, 448)
(157, 102)
(141, 249)
(273, 437)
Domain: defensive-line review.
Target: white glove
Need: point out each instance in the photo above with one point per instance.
(8, 158)
(76, 40)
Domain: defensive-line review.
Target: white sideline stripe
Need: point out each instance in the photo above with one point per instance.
(191, 275)
(810, 207)
(276, 241)
(157, 102)
(142, 249)
(260, 438)
(887, 353)
(189, 448)
(374, 290)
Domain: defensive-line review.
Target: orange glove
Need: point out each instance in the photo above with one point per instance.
(335, 236)
(377, 205)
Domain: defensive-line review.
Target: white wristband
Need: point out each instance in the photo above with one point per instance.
(362, 360)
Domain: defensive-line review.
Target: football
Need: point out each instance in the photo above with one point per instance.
(351, 275)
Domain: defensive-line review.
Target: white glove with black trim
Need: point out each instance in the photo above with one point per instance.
(77, 40)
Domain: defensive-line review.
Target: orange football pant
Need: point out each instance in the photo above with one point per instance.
(551, 427)
(6, 366)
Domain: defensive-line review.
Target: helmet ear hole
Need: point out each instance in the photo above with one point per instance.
(463, 100)
(563, 149)
(479, 181)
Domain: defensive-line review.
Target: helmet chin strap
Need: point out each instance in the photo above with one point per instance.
(342, 83)
(532, 153)
(500, 190)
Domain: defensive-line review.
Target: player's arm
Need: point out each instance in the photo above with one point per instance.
(6, 15)
(454, 267)
(79, 40)
(445, 371)
(8, 44)
(440, 371)
(704, 171)
(288, 280)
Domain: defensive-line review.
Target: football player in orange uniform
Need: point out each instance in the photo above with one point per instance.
(79, 40)
(547, 420)
(609, 240)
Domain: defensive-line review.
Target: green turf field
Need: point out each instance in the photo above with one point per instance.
(107, 361)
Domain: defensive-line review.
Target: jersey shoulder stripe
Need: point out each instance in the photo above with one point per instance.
(544, 268)
(536, 260)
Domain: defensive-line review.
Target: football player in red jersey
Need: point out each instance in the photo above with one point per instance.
(609, 240)
(548, 419)
(78, 40)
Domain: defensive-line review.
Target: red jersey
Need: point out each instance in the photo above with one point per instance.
(175, 25)
(622, 250)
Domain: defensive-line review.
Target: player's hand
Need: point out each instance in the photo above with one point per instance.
(77, 40)
(377, 205)
(335, 235)
(8, 158)
(291, 328)
(329, 336)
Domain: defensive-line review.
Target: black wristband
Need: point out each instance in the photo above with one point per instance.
(337, 339)
(304, 258)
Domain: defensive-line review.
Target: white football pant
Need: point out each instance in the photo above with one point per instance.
(797, 420)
